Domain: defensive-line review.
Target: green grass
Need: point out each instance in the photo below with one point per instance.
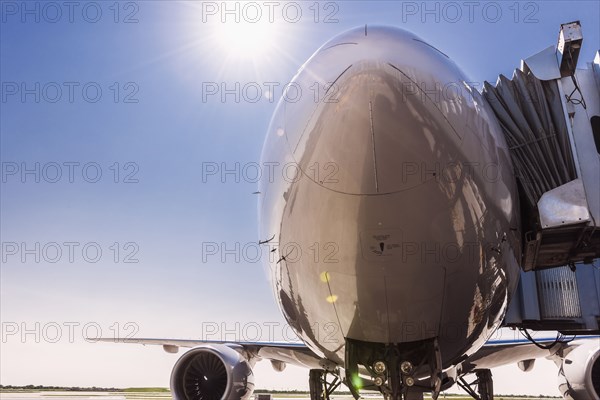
(158, 393)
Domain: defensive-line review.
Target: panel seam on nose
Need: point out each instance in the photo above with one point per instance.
(373, 144)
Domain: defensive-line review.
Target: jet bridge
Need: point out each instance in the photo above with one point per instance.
(564, 299)
(550, 115)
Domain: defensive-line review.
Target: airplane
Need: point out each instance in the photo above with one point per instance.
(407, 186)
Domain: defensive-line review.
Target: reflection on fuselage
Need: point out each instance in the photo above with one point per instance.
(400, 224)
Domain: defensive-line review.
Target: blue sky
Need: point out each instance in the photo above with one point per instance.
(156, 124)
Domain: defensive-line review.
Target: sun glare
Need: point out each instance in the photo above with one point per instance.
(245, 39)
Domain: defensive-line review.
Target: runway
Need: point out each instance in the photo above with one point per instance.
(130, 395)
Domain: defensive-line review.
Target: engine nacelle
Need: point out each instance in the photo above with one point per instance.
(212, 372)
(579, 374)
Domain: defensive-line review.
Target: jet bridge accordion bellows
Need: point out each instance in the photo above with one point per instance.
(531, 116)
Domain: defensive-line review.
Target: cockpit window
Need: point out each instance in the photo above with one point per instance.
(433, 47)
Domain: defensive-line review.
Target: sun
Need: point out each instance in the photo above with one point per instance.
(232, 44)
(245, 40)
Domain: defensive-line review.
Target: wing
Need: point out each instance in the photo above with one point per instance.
(493, 354)
(502, 352)
(291, 353)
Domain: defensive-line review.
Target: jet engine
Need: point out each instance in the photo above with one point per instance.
(212, 372)
(579, 374)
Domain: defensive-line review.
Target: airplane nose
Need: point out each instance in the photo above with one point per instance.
(371, 121)
(387, 140)
(376, 131)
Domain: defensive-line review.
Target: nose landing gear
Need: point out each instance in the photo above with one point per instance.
(399, 371)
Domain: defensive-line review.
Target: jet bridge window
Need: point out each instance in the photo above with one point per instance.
(595, 121)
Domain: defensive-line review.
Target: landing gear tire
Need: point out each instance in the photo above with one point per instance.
(321, 387)
(483, 383)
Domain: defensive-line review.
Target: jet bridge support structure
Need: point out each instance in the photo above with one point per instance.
(562, 299)
(550, 115)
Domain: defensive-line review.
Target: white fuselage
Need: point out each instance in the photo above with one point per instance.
(402, 222)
